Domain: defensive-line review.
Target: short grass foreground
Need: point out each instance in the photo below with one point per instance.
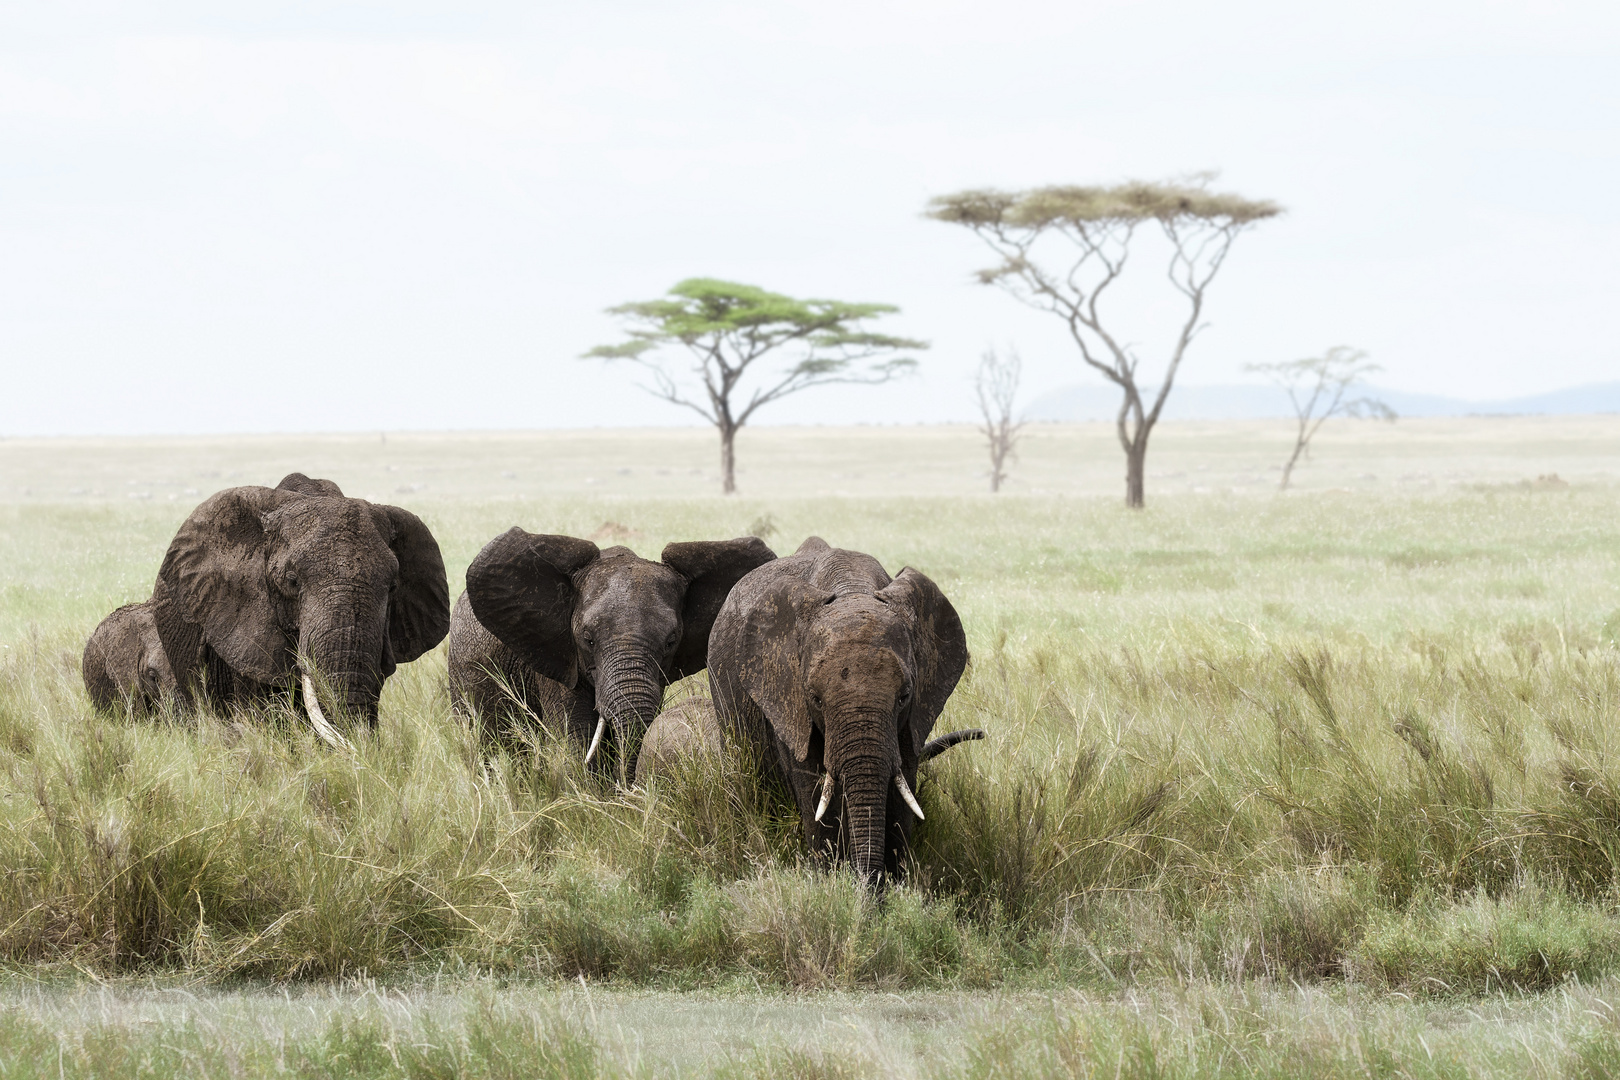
(481, 1029)
(1273, 786)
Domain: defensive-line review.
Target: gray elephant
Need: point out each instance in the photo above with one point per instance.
(832, 674)
(125, 666)
(296, 587)
(555, 626)
(687, 729)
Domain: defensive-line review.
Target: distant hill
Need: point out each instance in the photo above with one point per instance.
(1254, 402)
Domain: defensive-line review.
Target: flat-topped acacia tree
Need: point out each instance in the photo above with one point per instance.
(727, 330)
(1062, 247)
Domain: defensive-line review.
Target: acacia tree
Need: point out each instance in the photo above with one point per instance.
(727, 330)
(996, 382)
(1062, 248)
(1317, 386)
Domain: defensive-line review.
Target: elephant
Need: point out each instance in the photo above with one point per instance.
(687, 729)
(265, 590)
(555, 625)
(831, 673)
(690, 729)
(125, 666)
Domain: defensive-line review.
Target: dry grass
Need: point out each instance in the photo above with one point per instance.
(1360, 741)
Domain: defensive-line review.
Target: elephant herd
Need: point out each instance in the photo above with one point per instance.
(829, 673)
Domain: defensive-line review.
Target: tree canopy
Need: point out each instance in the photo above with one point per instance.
(1063, 246)
(1132, 202)
(727, 328)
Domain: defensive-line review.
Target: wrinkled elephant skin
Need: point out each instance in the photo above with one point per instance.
(298, 589)
(554, 627)
(833, 674)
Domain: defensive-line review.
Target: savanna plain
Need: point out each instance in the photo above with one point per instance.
(1316, 784)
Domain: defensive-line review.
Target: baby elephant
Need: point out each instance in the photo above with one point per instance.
(685, 730)
(833, 673)
(557, 627)
(124, 662)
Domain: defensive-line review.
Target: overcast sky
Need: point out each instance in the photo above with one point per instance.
(341, 216)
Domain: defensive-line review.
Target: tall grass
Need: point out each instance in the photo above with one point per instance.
(1392, 815)
(1321, 739)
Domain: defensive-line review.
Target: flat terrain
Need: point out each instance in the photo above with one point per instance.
(1320, 783)
(1187, 457)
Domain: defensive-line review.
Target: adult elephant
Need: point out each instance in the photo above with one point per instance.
(264, 590)
(833, 673)
(555, 625)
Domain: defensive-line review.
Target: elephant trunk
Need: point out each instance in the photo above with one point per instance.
(629, 693)
(865, 765)
(346, 653)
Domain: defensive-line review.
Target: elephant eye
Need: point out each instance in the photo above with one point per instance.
(815, 699)
(590, 642)
(669, 642)
(905, 694)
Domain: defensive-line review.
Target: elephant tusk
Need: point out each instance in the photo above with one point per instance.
(905, 793)
(317, 719)
(596, 740)
(826, 796)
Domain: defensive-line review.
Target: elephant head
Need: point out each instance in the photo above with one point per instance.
(297, 581)
(624, 626)
(125, 664)
(848, 669)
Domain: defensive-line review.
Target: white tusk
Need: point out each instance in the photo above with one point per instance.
(596, 740)
(905, 793)
(826, 796)
(317, 719)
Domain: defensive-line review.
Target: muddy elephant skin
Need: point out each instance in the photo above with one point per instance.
(556, 627)
(832, 674)
(125, 667)
(298, 588)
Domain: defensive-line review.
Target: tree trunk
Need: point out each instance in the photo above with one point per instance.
(728, 460)
(1135, 468)
(1288, 469)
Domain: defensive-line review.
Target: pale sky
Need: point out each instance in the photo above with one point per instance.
(360, 216)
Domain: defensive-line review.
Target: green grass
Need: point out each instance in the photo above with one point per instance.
(479, 1028)
(1270, 784)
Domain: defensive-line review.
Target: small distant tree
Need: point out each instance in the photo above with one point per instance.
(996, 382)
(1317, 386)
(1062, 247)
(727, 330)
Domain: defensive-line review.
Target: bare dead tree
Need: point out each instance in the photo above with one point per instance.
(1317, 386)
(1085, 236)
(996, 383)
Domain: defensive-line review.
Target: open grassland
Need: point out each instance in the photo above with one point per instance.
(1318, 784)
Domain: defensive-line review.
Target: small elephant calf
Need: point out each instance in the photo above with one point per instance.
(686, 729)
(124, 662)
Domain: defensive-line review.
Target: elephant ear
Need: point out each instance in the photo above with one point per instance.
(939, 646)
(773, 664)
(521, 589)
(419, 609)
(216, 569)
(711, 568)
(303, 485)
